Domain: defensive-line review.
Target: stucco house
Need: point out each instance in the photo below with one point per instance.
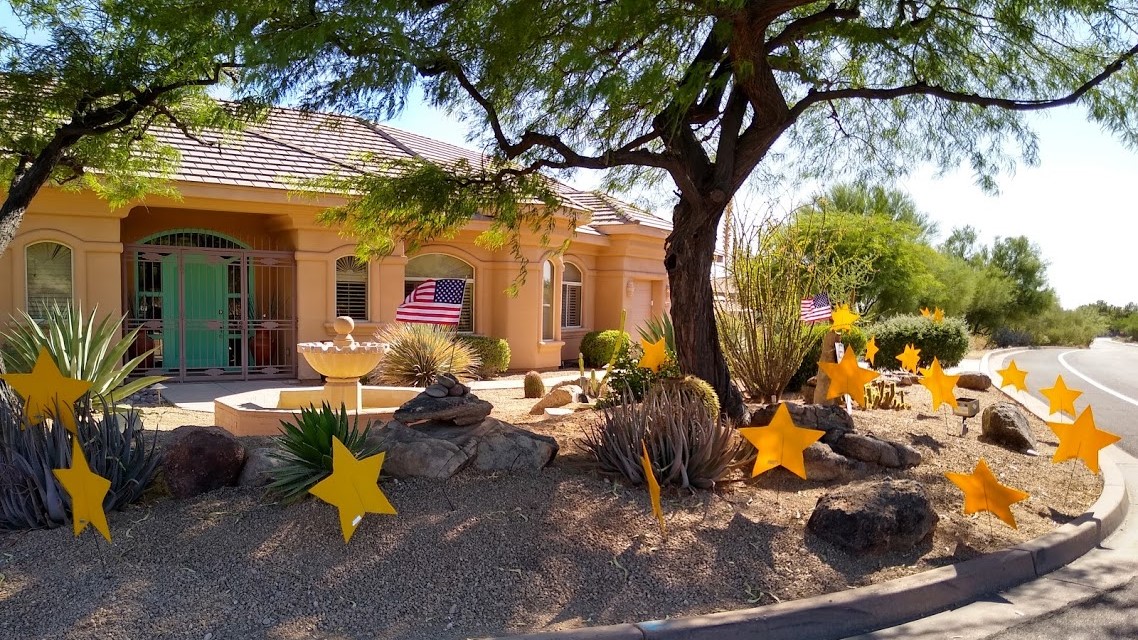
(227, 278)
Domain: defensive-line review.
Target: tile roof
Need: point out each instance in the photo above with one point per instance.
(297, 144)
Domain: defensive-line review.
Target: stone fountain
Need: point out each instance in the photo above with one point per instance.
(342, 362)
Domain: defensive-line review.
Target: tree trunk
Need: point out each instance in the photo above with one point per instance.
(829, 354)
(26, 184)
(688, 256)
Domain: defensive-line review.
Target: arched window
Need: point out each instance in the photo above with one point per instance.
(435, 266)
(49, 280)
(351, 287)
(547, 300)
(572, 283)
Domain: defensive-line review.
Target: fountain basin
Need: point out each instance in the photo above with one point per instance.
(259, 413)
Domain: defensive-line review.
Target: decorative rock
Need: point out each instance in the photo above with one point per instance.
(436, 391)
(1006, 425)
(824, 464)
(412, 452)
(558, 397)
(504, 447)
(974, 380)
(875, 517)
(877, 451)
(200, 459)
(258, 465)
(907, 380)
(439, 450)
(832, 419)
(457, 390)
(447, 380)
(467, 409)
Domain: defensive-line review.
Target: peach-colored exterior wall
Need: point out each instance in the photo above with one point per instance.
(268, 219)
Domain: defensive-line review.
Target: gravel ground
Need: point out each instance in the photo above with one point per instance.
(484, 555)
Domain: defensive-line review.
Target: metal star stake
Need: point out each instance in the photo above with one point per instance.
(847, 377)
(353, 487)
(1081, 440)
(87, 491)
(1013, 376)
(653, 487)
(1061, 399)
(940, 385)
(843, 318)
(655, 354)
(983, 492)
(45, 388)
(909, 358)
(871, 349)
(781, 443)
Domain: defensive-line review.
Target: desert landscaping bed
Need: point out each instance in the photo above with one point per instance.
(491, 554)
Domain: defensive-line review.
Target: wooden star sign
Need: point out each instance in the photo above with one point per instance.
(843, 318)
(781, 443)
(45, 388)
(653, 487)
(353, 487)
(1012, 375)
(1060, 399)
(909, 358)
(847, 377)
(1081, 440)
(983, 492)
(940, 385)
(938, 315)
(871, 349)
(87, 491)
(655, 354)
(925, 313)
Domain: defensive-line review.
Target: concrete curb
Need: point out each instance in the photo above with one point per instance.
(895, 602)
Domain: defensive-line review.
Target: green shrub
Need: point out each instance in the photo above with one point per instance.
(1128, 327)
(687, 447)
(493, 354)
(305, 449)
(81, 348)
(1068, 328)
(947, 341)
(597, 346)
(418, 353)
(627, 380)
(533, 385)
(691, 385)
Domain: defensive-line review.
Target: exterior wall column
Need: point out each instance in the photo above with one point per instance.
(316, 303)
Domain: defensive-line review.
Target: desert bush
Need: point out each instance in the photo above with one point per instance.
(598, 346)
(947, 341)
(493, 355)
(687, 447)
(113, 441)
(627, 380)
(418, 353)
(81, 348)
(1005, 337)
(1068, 328)
(533, 385)
(1127, 327)
(689, 385)
(305, 448)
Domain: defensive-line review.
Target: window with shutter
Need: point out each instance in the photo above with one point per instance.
(547, 300)
(351, 288)
(49, 280)
(571, 292)
(434, 266)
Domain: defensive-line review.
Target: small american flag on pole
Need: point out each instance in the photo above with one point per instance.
(815, 309)
(433, 302)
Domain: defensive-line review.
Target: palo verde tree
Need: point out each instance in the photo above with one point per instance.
(85, 88)
(696, 93)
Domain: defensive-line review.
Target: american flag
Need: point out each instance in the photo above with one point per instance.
(433, 302)
(815, 309)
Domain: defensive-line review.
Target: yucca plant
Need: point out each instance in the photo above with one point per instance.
(305, 448)
(81, 347)
(687, 447)
(660, 327)
(418, 353)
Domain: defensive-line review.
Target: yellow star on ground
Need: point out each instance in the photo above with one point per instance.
(653, 487)
(44, 387)
(87, 491)
(909, 358)
(353, 487)
(1060, 398)
(925, 313)
(1013, 376)
(940, 384)
(871, 349)
(1081, 440)
(843, 318)
(983, 492)
(938, 315)
(781, 443)
(847, 377)
(655, 354)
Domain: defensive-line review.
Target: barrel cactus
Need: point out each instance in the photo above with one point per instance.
(693, 385)
(533, 385)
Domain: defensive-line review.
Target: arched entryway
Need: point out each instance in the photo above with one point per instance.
(210, 306)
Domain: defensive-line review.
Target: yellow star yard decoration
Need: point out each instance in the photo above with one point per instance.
(847, 377)
(1081, 440)
(909, 358)
(655, 354)
(87, 491)
(940, 384)
(781, 443)
(925, 313)
(938, 315)
(1061, 399)
(983, 492)
(653, 487)
(1013, 376)
(44, 387)
(353, 487)
(871, 349)
(843, 318)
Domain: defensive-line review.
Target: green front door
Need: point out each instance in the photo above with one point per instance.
(204, 284)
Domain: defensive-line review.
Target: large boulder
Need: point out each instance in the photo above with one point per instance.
(258, 468)
(832, 419)
(200, 459)
(504, 447)
(559, 397)
(974, 380)
(467, 409)
(1006, 425)
(825, 465)
(440, 449)
(866, 448)
(875, 517)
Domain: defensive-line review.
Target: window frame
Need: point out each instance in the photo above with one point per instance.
(365, 282)
(566, 286)
(548, 280)
(70, 298)
(468, 293)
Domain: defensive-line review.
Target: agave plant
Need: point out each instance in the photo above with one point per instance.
(305, 448)
(418, 353)
(659, 327)
(81, 347)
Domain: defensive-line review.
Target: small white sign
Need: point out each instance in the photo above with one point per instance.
(839, 350)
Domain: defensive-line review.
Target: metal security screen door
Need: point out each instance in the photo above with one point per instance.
(211, 308)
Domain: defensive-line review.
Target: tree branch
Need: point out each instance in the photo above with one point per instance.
(800, 27)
